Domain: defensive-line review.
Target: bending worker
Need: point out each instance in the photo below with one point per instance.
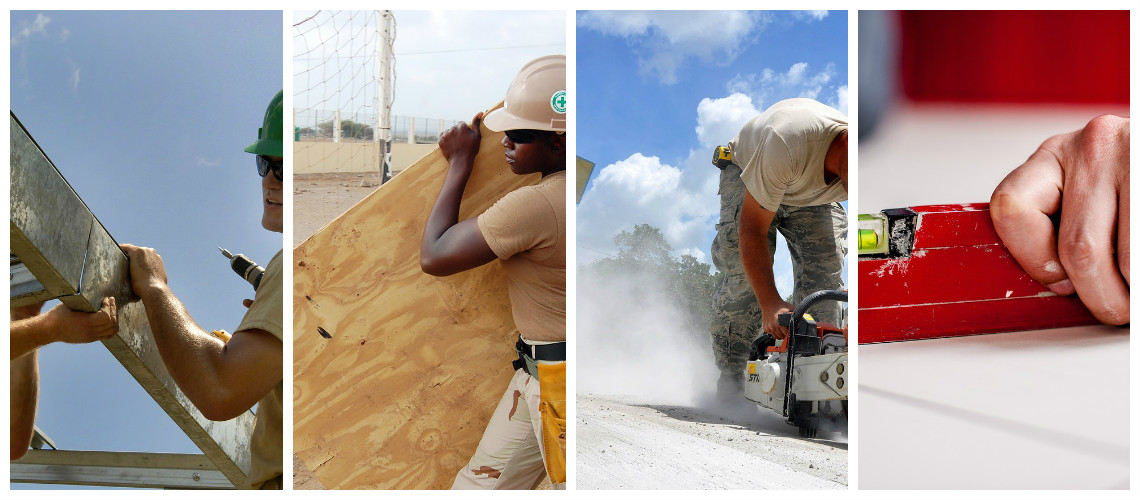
(794, 161)
(30, 330)
(526, 229)
(225, 379)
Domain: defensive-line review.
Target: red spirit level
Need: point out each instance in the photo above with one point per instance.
(941, 271)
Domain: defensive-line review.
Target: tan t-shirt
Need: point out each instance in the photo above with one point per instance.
(527, 230)
(265, 444)
(782, 152)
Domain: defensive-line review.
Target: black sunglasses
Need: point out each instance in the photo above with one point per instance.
(264, 164)
(522, 136)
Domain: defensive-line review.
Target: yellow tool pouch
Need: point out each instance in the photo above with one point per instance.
(553, 408)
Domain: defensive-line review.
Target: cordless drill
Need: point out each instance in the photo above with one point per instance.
(246, 268)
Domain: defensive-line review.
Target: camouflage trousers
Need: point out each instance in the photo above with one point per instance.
(817, 242)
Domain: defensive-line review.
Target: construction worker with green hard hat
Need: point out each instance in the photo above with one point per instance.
(526, 232)
(225, 379)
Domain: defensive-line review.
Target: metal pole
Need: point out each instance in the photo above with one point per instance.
(384, 94)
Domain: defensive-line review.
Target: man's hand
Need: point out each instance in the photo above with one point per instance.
(147, 270)
(1084, 175)
(771, 313)
(77, 327)
(461, 143)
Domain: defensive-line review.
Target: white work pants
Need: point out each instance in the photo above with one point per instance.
(511, 448)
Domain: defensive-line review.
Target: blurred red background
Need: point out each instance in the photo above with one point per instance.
(1020, 57)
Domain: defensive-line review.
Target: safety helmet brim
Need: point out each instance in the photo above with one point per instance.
(536, 99)
(501, 119)
(271, 134)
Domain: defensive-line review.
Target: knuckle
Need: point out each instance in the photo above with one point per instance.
(1100, 138)
(1080, 252)
(1005, 204)
(1105, 126)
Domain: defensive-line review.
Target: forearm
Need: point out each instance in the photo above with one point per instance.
(24, 382)
(29, 334)
(191, 354)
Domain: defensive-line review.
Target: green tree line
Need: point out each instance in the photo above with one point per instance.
(348, 130)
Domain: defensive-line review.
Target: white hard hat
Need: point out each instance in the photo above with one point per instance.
(536, 99)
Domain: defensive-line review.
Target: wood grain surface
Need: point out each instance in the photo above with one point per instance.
(400, 393)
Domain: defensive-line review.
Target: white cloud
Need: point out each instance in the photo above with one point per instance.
(718, 120)
(840, 101)
(619, 23)
(205, 162)
(817, 15)
(64, 34)
(680, 201)
(74, 80)
(769, 86)
(38, 25)
(663, 40)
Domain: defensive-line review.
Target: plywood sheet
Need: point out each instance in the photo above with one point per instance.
(398, 394)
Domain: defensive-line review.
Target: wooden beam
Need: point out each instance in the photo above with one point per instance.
(74, 257)
(121, 469)
(396, 372)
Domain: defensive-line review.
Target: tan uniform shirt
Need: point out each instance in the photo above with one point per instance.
(782, 152)
(527, 230)
(266, 313)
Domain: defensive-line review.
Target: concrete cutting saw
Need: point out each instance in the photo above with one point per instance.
(804, 377)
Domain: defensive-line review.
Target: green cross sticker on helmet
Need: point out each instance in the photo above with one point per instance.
(536, 99)
(272, 131)
(558, 102)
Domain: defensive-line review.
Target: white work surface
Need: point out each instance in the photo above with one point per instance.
(1046, 409)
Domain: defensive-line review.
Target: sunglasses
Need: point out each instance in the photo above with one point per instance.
(264, 164)
(522, 136)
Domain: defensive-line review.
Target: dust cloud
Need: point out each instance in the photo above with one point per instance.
(635, 340)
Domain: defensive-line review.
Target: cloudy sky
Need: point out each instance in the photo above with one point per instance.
(657, 91)
(448, 64)
(146, 115)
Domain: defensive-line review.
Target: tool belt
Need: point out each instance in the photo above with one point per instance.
(530, 355)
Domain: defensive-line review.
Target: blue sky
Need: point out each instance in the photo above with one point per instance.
(146, 115)
(657, 91)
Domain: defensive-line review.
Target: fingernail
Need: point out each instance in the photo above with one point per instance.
(1063, 287)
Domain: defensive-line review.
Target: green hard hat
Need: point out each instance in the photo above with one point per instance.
(272, 131)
